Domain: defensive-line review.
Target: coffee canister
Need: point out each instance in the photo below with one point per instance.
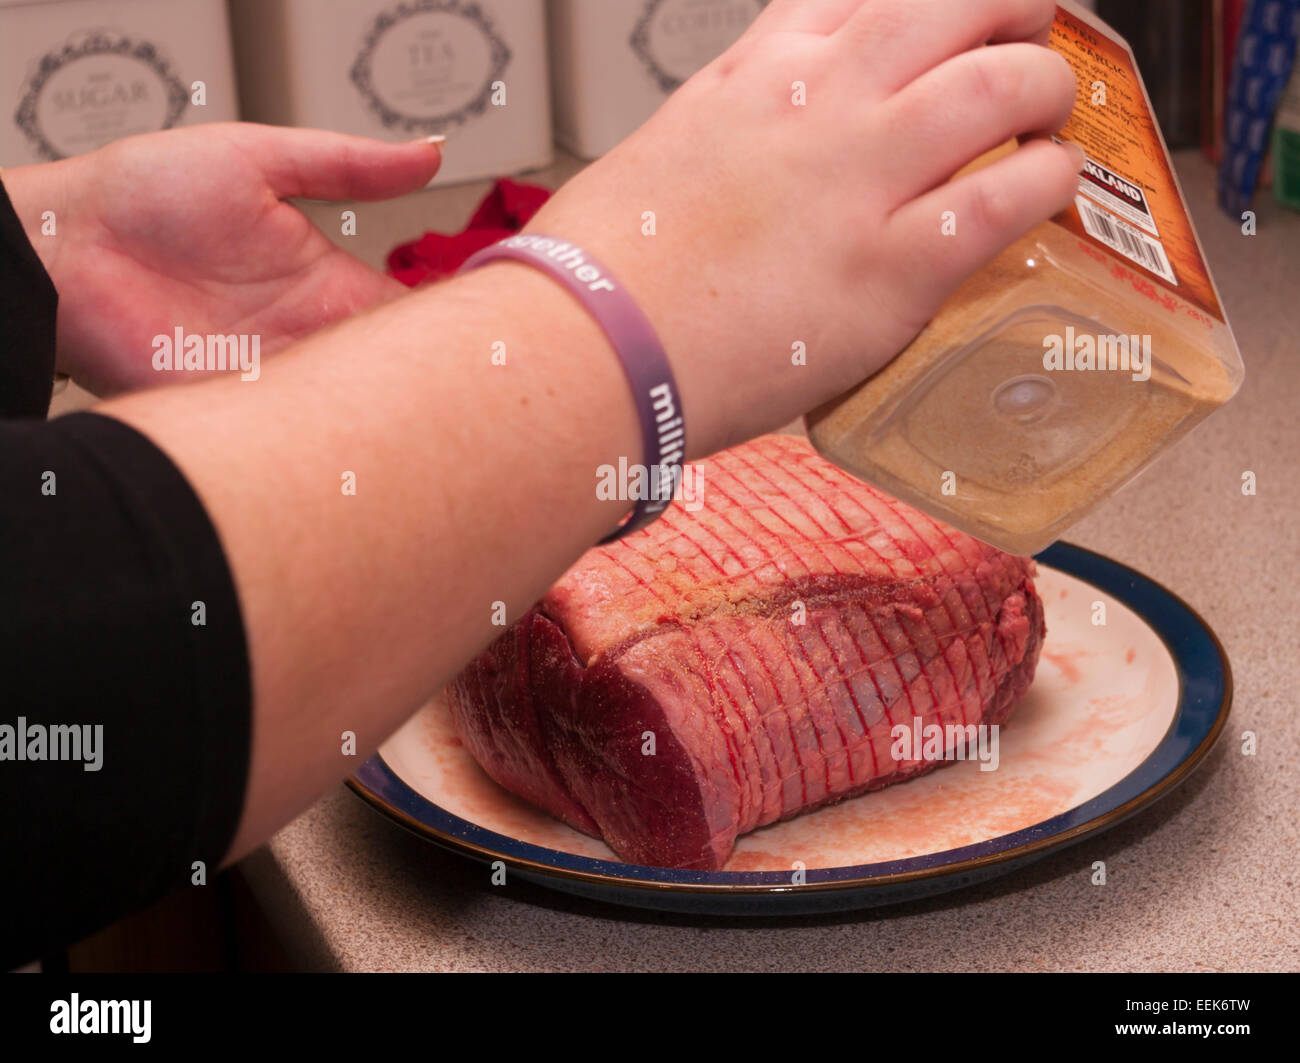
(613, 62)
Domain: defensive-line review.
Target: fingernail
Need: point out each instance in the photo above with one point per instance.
(1078, 154)
(437, 138)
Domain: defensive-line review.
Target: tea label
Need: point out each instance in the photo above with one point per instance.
(429, 64)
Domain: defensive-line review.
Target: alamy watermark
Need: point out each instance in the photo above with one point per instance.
(35, 741)
(952, 741)
(211, 352)
(77, 1016)
(628, 482)
(1084, 352)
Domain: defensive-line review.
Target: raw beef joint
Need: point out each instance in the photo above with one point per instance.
(745, 662)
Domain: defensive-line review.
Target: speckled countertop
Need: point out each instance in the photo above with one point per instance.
(1205, 880)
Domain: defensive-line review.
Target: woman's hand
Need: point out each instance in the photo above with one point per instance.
(189, 229)
(818, 221)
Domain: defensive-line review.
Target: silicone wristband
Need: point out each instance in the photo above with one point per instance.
(658, 403)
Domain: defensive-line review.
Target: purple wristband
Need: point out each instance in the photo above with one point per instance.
(663, 425)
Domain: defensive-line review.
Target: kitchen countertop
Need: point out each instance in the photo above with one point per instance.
(1204, 880)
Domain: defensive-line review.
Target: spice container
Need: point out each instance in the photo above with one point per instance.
(401, 69)
(1057, 373)
(82, 73)
(613, 62)
(1065, 367)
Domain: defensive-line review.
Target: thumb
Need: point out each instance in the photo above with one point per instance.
(316, 164)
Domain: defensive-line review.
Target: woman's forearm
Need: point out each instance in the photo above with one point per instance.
(474, 484)
(784, 249)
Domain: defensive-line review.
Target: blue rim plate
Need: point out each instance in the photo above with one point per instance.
(1204, 701)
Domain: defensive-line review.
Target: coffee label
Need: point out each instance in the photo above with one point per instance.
(675, 38)
(429, 64)
(96, 88)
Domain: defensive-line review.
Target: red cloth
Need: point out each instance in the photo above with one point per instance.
(505, 211)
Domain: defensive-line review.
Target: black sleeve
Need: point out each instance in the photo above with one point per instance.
(124, 679)
(28, 304)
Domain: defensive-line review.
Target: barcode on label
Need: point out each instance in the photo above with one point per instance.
(1120, 236)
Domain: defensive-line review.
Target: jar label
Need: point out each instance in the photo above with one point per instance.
(1129, 203)
(675, 38)
(96, 88)
(428, 64)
